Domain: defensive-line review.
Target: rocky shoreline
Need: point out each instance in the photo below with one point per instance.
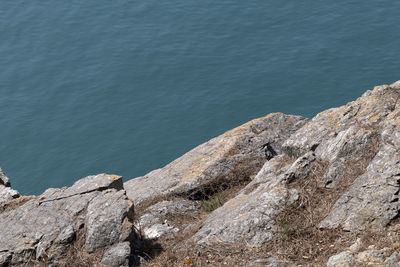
(281, 190)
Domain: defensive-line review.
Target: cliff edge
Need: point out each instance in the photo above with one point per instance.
(281, 190)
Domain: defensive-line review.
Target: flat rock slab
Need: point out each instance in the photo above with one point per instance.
(46, 225)
(250, 144)
(248, 217)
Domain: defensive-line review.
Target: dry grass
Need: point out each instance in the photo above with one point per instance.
(299, 239)
(77, 255)
(169, 251)
(237, 177)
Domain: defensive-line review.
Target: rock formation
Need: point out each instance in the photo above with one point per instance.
(95, 212)
(280, 190)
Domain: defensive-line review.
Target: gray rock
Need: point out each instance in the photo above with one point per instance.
(83, 186)
(356, 246)
(329, 131)
(6, 192)
(343, 259)
(147, 219)
(117, 255)
(47, 225)
(4, 180)
(338, 137)
(393, 260)
(108, 219)
(372, 256)
(6, 195)
(248, 217)
(5, 259)
(155, 231)
(299, 169)
(155, 222)
(372, 200)
(347, 140)
(250, 145)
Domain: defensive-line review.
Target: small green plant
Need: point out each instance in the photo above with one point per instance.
(211, 204)
(285, 228)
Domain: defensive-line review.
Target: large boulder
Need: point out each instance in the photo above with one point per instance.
(243, 149)
(44, 228)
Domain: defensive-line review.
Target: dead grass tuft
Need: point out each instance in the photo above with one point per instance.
(77, 255)
(300, 238)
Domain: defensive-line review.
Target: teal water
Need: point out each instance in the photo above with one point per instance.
(127, 86)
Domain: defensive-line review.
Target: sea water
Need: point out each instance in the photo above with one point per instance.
(127, 86)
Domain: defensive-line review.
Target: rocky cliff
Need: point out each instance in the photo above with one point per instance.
(280, 190)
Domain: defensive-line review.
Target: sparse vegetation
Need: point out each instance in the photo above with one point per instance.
(211, 204)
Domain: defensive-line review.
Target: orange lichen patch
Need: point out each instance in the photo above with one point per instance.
(204, 157)
(380, 88)
(244, 216)
(114, 176)
(233, 203)
(374, 118)
(231, 152)
(281, 190)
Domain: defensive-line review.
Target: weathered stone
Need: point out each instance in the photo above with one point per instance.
(148, 219)
(358, 141)
(299, 168)
(4, 180)
(356, 246)
(155, 222)
(343, 259)
(367, 112)
(108, 219)
(248, 217)
(47, 225)
(372, 200)
(6, 195)
(393, 260)
(5, 259)
(83, 186)
(155, 231)
(117, 255)
(218, 157)
(372, 255)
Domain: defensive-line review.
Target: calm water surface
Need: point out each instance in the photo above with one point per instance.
(127, 86)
